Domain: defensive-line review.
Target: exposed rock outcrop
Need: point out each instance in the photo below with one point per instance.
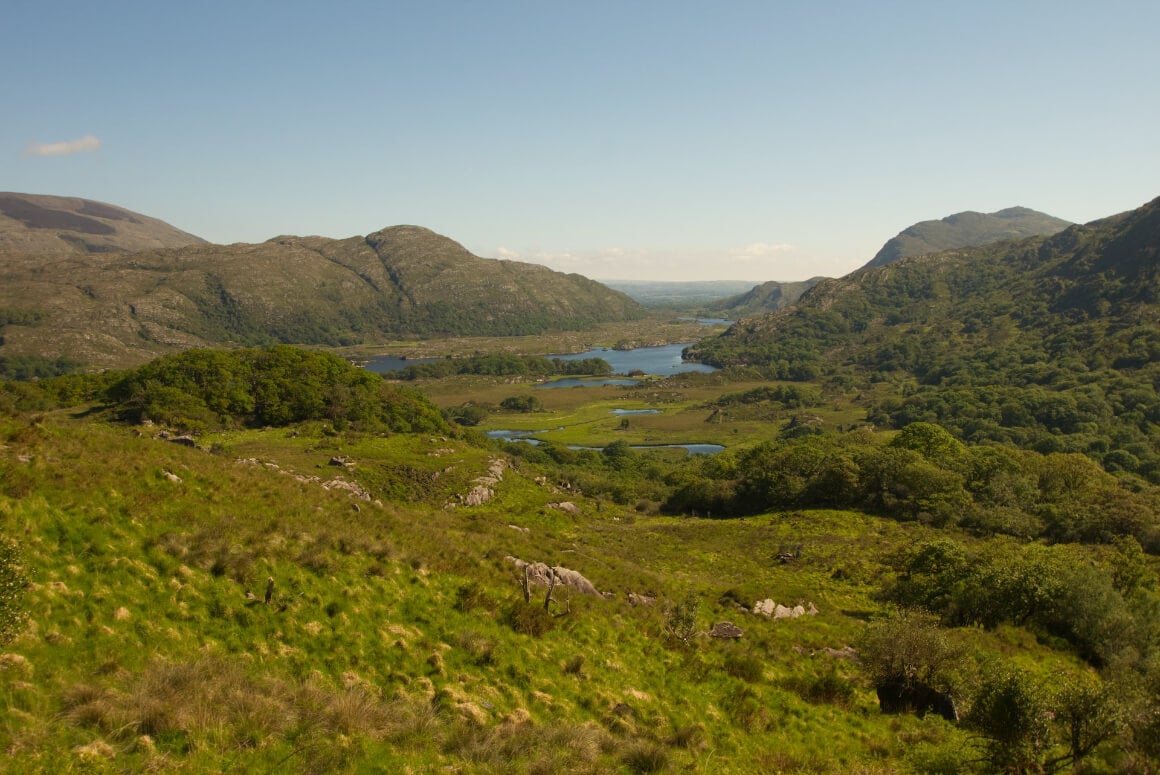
(540, 574)
(725, 631)
(771, 609)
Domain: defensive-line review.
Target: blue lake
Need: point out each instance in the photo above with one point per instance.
(529, 437)
(663, 361)
(383, 364)
(714, 321)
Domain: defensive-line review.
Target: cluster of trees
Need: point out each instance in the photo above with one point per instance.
(1024, 722)
(1106, 609)
(26, 367)
(505, 365)
(281, 385)
(30, 367)
(1107, 416)
(925, 473)
(786, 396)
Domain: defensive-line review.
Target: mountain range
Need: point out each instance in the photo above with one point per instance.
(72, 288)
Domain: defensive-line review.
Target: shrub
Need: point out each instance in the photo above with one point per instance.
(529, 619)
(521, 404)
(680, 628)
(744, 666)
(1011, 714)
(478, 646)
(471, 596)
(12, 583)
(829, 688)
(645, 756)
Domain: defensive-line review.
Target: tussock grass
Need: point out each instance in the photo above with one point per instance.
(336, 674)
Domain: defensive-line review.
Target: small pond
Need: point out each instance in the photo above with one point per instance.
(569, 382)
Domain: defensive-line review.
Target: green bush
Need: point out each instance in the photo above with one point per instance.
(529, 619)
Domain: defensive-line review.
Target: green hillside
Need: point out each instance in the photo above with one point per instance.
(1048, 343)
(323, 579)
(967, 229)
(123, 309)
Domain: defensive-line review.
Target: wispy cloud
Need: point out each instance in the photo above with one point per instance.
(80, 145)
(759, 250)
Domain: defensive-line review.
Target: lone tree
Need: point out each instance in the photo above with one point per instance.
(912, 664)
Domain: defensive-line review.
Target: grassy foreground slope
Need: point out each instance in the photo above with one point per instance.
(397, 636)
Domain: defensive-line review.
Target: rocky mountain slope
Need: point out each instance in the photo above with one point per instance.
(30, 223)
(968, 229)
(767, 297)
(108, 309)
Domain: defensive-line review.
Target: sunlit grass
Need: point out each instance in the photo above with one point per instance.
(391, 636)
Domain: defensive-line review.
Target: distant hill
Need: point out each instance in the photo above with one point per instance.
(56, 224)
(767, 297)
(967, 229)
(678, 293)
(122, 309)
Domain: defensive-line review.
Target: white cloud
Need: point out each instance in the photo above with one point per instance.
(758, 250)
(80, 145)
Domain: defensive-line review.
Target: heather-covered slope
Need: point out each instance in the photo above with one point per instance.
(31, 223)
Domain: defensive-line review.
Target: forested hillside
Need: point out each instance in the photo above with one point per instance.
(1049, 343)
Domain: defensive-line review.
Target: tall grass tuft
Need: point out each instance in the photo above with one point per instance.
(645, 756)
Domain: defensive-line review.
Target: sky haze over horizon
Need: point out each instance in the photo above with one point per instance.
(653, 140)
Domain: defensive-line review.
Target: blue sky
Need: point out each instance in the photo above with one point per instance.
(650, 140)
